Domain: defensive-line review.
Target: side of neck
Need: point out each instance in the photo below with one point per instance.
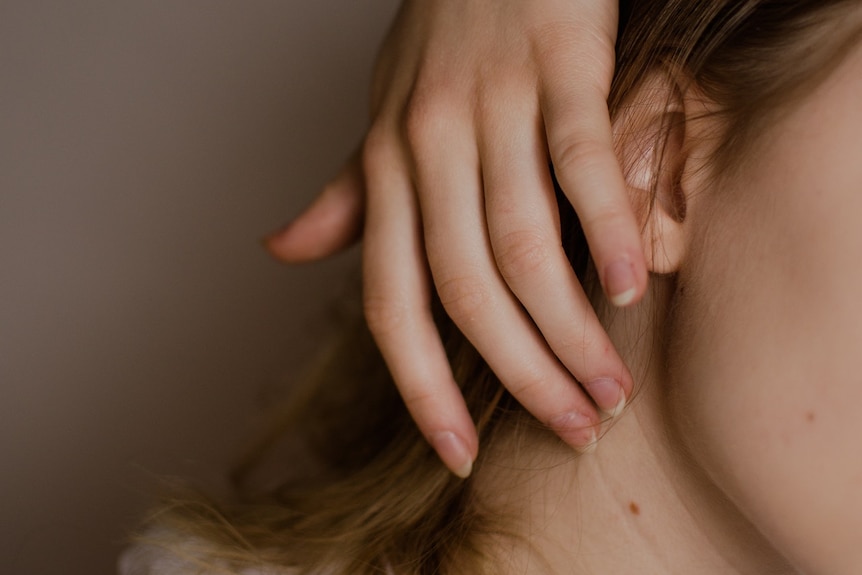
(637, 505)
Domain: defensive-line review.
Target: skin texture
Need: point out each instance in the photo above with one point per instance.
(471, 100)
(787, 290)
(744, 437)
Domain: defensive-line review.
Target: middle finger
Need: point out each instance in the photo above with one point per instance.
(475, 295)
(523, 223)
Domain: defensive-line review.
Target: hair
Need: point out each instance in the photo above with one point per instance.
(363, 492)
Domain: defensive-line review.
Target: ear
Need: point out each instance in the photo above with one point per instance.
(651, 140)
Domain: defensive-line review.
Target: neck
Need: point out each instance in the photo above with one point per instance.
(637, 505)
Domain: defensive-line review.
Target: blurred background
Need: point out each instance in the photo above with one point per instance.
(145, 147)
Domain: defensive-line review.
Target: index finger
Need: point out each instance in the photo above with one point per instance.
(574, 90)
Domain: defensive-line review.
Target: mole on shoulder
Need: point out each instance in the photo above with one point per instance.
(634, 508)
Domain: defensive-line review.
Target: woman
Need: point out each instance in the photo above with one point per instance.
(738, 124)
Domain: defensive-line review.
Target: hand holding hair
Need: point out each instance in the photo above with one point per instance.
(471, 100)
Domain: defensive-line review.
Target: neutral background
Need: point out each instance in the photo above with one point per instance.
(144, 149)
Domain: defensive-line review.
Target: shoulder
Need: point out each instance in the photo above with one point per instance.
(184, 556)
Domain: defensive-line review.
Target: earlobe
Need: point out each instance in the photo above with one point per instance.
(651, 139)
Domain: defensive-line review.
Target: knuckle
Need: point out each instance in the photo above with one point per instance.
(527, 386)
(522, 253)
(425, 120)
(463, 297)
(384, 317)
(577, 345)
(421, 401)
(586, 156)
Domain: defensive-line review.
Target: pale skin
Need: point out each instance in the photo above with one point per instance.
(471, 101)
(746, 441)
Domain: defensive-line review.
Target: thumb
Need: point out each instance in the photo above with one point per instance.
(330, 224)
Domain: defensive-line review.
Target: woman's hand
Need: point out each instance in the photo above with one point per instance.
(452, 182)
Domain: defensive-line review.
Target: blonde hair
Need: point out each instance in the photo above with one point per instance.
(366, 494)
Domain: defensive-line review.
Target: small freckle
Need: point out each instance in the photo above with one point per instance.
(810, 417)
(633, 507)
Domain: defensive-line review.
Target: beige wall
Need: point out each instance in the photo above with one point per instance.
(144, 148)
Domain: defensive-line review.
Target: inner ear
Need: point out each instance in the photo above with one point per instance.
(651, 141)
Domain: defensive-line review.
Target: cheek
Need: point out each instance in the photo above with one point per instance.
(766, 379)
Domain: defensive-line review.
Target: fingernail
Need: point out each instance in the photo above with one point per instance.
(620, 283)
(576, 429)
(608, 395)
(454, 453)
